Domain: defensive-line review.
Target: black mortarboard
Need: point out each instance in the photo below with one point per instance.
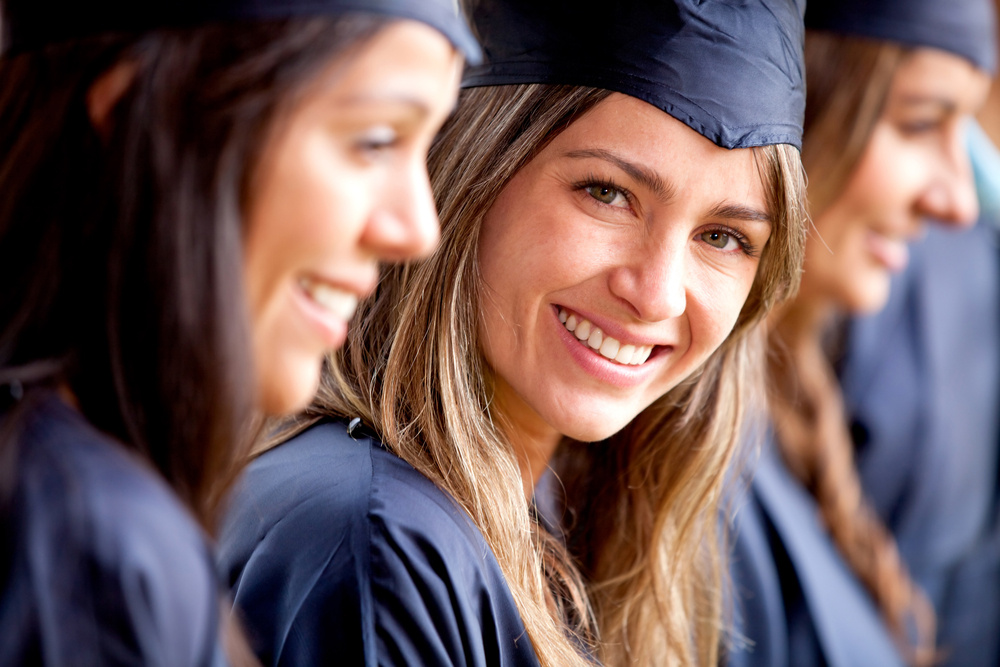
(963, 27)
(30, 24)
(730, 69)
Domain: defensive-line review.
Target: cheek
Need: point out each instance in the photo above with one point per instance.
(529, 252)
(715, 305)
(307, 217)
(888, 178)
(326, 201)
(287, 371)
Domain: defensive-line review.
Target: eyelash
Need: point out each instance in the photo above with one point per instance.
(374, 147)
(592, 181)
(919, 127)
(377, 141)
(748, 248)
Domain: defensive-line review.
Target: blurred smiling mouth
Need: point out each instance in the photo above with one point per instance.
(612, 349)
(337, 302)
(892, 253)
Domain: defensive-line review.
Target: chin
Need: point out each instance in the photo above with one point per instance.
(289, 395)
(867, 299)
(594, 429)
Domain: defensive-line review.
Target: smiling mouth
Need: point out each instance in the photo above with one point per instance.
(891, 252)
(339, 303)
(612, 349)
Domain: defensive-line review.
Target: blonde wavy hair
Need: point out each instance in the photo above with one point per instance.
(849, 82)
(638, 581)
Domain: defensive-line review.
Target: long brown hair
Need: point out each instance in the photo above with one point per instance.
(849, 81)
(635, 591)
(121, 255)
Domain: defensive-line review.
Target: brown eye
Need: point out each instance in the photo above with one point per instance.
(717, 239)
(607, 195)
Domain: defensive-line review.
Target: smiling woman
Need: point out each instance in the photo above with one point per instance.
(606, 252)
(195, 197)
(906, 163)
(341, 186)
(622, 238)
(638, 451)
(818, 578)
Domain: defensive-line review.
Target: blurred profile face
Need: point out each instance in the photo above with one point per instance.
(914, 167)
(615, 263)
(342, 186)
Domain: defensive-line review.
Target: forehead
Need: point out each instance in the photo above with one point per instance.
(934, 75)
(639, 132)
(405, 56)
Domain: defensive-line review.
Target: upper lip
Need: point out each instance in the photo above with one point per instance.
(615, 330)
(903, 233)
(359, 281)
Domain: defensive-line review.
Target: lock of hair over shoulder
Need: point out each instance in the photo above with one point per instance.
(634, 573)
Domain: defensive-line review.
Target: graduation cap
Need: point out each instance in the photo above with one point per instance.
(963, 27)
(730, 69)
(32, 24)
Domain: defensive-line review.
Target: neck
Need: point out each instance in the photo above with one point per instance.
(533, 440)
(801, 322)
(534, 451)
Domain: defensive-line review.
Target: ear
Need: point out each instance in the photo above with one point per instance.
(105, 92)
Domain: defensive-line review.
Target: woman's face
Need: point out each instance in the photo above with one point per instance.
(914, 167)
(615, 263)
(342, 186)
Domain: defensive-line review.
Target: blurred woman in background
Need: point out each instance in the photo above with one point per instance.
(617, 218)
(921, 381)
(194, 200)
(817, 576)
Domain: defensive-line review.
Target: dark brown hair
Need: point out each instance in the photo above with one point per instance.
(121, 256)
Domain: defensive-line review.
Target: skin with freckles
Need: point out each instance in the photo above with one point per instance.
(914, 167)
(640, 225)
(343, 186)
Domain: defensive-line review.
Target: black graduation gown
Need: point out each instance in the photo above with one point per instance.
(797, 602)
(922, 382)
(339, 552)
(99, 564)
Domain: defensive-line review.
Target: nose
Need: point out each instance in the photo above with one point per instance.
(404, 224)
(950, 197)
(654, 282)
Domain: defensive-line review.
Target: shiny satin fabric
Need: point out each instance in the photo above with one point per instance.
(731, 70)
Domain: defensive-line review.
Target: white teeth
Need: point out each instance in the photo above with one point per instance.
(340, 303)
(608, 347)
(641, 354)
(595, 339)
(625, 353)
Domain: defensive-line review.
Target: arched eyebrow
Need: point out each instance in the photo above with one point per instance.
(641, 174)
(740, 212)
(665, 191)
(944, 105)
(416, 104)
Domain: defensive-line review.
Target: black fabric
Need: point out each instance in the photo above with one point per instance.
(101, 565)
(730, 69)
(339, 552)
(964, 27)
(795, 600)
(31, 24)
(924, 376)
